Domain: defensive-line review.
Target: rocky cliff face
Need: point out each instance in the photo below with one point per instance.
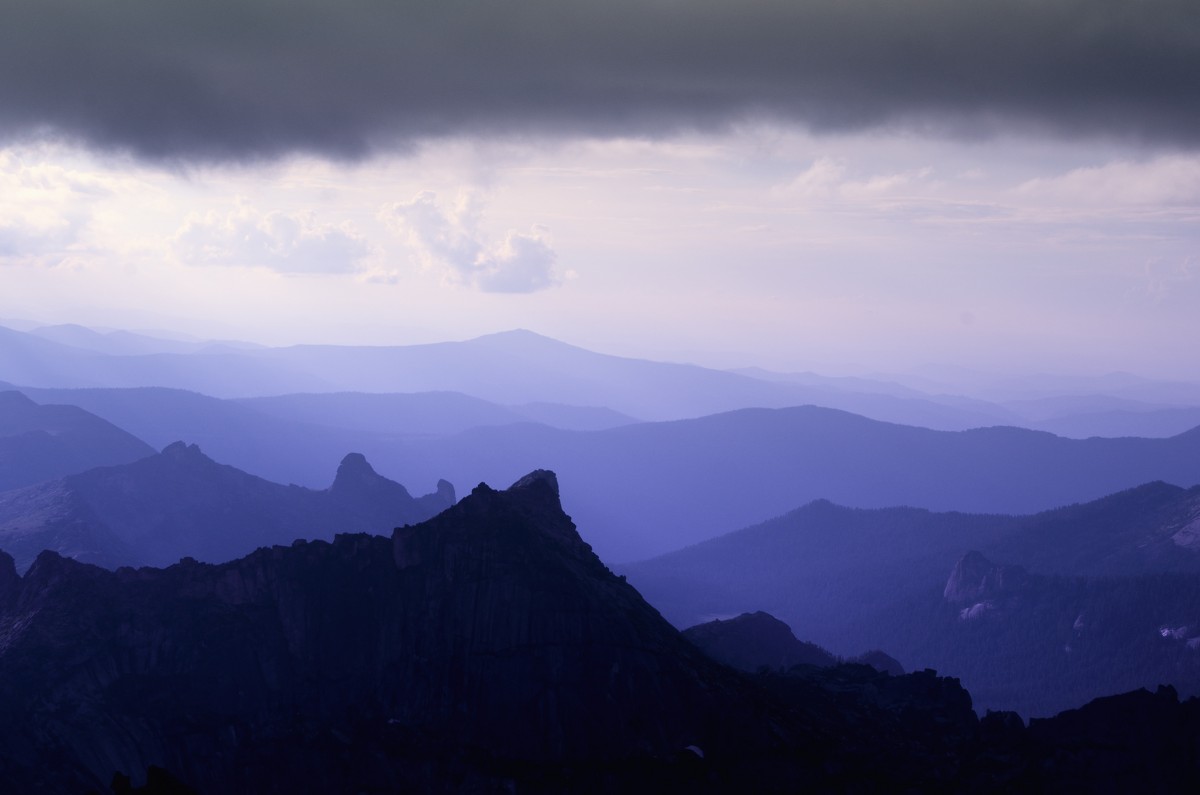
(976, 579)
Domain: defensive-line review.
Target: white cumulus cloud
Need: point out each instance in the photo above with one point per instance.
(451, 241)
(283, 242)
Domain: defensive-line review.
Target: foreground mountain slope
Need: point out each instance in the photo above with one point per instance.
(485, 650)
(180, 503)
(40, 442)
(366, 664)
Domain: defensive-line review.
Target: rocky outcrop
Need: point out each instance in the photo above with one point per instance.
(976, 579)
(180, 503)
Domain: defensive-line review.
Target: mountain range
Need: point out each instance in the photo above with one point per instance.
(679, 482)
(180, 503)
(849, 579)
(522, 369)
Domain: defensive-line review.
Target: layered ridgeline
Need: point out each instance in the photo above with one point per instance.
(851, 579)
(648, 488)
(487, 649)
(514, 368)
(180, 503)
(528, 372)
(40, 442)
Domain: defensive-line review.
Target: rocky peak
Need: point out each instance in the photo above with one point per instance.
(976, 579)
(542, 476)
(183, 453)
(529, 511)
(355, 472)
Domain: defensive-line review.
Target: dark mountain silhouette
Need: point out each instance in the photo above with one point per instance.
(755, 640)
(852, 578)
(180, 503)
(488, 650)
(759, 640)
(40, 442)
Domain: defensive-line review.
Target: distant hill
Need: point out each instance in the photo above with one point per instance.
(514, 368)
(275, 448)
(851, 578)
(180, 503)
(291, 438)
(825, 568)
(648, 488)
(425, 413)
(41, 442)
(29, 360)
(1154, 423)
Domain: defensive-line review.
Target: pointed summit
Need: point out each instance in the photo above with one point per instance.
(538, 476)
(355, 472)
(182, 451)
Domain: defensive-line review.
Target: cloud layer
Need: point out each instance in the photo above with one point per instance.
(243, 79)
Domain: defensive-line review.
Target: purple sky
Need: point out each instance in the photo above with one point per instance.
(840, 186)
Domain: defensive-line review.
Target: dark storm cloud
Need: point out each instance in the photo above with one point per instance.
(240, 79)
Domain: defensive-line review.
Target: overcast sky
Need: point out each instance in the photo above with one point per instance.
(839, 185)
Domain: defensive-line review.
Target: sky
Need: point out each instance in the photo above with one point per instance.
(844, 186)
